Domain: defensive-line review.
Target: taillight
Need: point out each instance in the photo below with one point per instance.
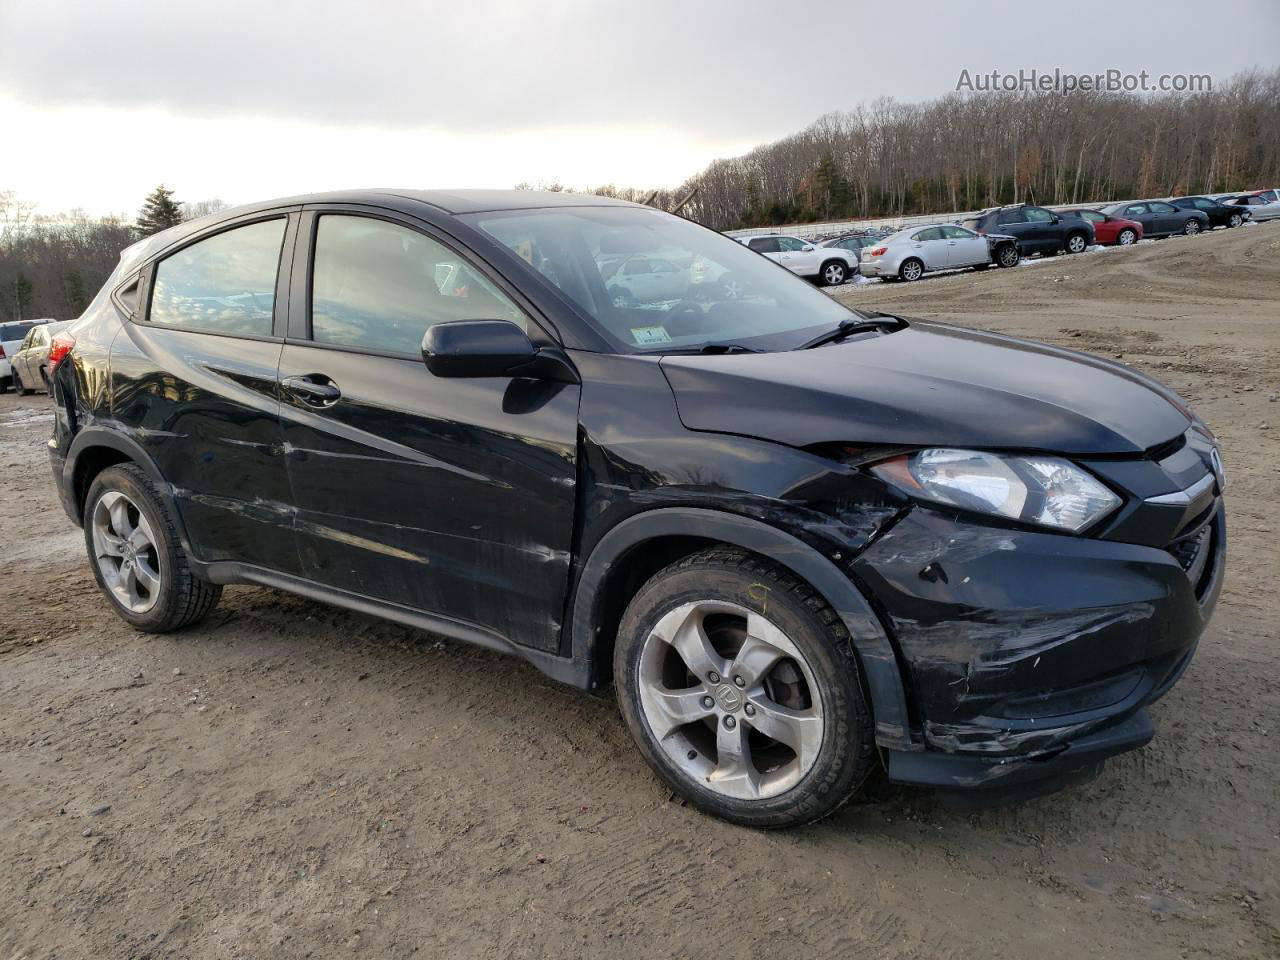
(59, 348)
(878, 251)
(1, 352)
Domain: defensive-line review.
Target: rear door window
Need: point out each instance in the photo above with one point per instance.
(223, 284)
(764, 245)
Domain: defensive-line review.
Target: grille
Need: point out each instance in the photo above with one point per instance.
(1194, 549)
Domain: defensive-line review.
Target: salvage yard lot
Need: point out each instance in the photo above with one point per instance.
(292, 780)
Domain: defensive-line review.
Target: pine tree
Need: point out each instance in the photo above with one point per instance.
(22, 293)
(159, 212)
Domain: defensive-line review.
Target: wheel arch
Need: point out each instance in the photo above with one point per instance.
(93, 450)
(641, 545)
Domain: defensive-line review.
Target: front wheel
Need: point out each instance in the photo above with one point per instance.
(1127, 238)
(1235, 220)
(1191, 228)
(20, 388)
(911, 270)
(136, 556)
(833, 273)
(741, 689)
(1008, 256)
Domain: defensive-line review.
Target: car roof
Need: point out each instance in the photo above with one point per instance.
(451, 202)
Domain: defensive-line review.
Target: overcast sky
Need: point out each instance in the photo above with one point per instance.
(248, 99)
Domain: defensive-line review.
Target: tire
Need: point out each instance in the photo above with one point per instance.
(833, 273)
(1007, 255)
(910, 270)
(20, 388)
(5, 385)
(1191, 227)
(44, 381)
(169, 596)
(1126, 237)
(816, 679)
(1077, 243)
(1235, 220)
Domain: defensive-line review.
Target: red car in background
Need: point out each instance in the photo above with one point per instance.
(1108, 229)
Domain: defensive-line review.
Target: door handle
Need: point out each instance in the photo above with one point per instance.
(313, 389)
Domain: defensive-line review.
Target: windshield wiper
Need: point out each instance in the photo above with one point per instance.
(847, 328)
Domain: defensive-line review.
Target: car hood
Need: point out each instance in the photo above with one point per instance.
(928, 385)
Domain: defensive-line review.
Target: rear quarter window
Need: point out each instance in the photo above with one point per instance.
(222, 284)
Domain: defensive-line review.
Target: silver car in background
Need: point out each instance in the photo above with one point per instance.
(910, 254)
(29, 364)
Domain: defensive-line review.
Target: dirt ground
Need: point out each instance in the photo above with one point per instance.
(290, 780)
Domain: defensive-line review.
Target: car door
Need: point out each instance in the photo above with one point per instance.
(930, 247)
(1169, 218)
(19, 359)
(453, 496)
(1014, 223)
(767, 246)
(196, 371)
(1045, 230)
(964, 247)
(1142, 213)
(797, 259)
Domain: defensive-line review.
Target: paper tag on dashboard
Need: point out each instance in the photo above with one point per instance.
(643, 336)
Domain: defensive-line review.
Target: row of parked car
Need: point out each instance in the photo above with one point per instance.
(25, 350)
(1004, 235)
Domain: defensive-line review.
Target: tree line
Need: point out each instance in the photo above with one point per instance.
(973, 150)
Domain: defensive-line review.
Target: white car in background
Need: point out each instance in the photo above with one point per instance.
(11, 337)
(830, 266)
(910, 254)
(639, 280)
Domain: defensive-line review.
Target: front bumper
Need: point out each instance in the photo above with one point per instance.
(1030, 657)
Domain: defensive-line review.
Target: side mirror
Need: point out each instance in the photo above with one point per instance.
(1056, 218)
(807, 247)
(490, 348)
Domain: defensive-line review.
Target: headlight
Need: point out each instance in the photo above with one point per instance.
(1044, 490)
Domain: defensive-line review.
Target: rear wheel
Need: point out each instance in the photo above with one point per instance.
(136, 556)
(911, 270)
(740, 686)
(1126, 238)
(1191, 228)
(833, 273)
(1077, 243)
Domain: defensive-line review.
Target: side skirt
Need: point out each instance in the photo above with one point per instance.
(576, 673)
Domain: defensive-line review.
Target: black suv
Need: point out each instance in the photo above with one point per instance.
(1036, 229)
(799, 541)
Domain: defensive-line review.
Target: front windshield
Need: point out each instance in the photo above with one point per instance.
(655, 283)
